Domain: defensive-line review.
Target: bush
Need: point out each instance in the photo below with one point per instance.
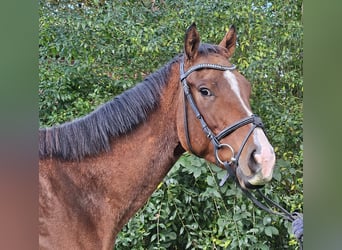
(92, 50)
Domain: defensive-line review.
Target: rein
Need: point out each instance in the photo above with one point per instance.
(295, 218)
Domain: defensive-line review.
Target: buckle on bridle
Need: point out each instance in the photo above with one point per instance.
(257, 121)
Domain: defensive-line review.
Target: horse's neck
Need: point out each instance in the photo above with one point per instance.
(142, 159)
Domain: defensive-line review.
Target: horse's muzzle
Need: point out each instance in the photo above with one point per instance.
(261, 169)
(254, 181)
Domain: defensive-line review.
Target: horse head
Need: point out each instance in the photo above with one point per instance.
(215, 120)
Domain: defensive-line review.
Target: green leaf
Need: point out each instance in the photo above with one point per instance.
(267, 220)
(270, 231)
(172, 235)
(211, 181)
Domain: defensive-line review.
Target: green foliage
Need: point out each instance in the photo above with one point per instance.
(92, 50)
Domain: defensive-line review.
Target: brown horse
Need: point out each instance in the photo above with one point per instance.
(95, 172)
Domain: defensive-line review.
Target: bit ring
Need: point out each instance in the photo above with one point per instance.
(232, 159)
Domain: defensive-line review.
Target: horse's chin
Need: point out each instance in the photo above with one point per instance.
(254, 181)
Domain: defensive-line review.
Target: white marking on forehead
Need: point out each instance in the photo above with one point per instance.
(235, 87)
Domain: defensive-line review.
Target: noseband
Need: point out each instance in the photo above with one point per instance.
(215, 139)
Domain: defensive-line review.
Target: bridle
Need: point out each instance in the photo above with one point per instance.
(233, 163)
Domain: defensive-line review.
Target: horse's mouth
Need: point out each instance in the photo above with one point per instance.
(254, 181)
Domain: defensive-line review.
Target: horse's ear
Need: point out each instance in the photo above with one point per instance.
(191, 43)
(229, 40)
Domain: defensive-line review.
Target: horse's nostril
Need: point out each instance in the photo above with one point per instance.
(252, 163)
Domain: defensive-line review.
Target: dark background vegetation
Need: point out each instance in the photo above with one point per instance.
(90, 51)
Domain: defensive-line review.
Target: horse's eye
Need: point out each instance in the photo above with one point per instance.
(205, 92)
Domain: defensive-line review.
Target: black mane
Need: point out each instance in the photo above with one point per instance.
(90, 135)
